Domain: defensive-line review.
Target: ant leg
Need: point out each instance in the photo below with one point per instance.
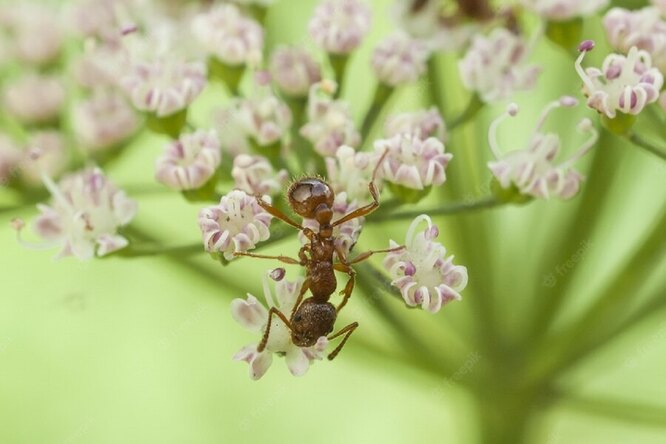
(345, 268)
(277, 213)
(285, 259)
(365, 210)
(365, 255)
(304, 288)
(347, 331)
(271, 312)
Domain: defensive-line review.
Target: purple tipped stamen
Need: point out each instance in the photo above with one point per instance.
(586, 45)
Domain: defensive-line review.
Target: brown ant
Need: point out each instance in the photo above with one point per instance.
(315, 316)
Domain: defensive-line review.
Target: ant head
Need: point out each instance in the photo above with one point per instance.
(311, 321)
(312, 198)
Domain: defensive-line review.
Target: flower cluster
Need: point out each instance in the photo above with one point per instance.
(532, 171)
(496, 66)
(253, 316)
(339, 26)
(400, 59)
(294, 70)
(624, 83)
(84, 215)
(189, 162)
(236, 224)
(421, 270)
(562, 10)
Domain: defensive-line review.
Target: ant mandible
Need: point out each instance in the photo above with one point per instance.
(315, 316)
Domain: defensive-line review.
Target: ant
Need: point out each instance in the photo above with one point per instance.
(315, 316)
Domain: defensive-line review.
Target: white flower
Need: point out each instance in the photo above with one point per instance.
(165, 86)
(339, 26)
(642, 28)
(421, 270)
(413, 162)
(255, 175)
(35, 98)
(423, 123)
(227, 121)
(496, 66)
(37, 36)
(532, 170)
(661, 6)
(101, 65)
(294, 70)
(625, 84)
(44, 154)
(252, 315)
(10, 157)
(103, 121)
(189, 162)
(427, 23)
(265, 118)
(236, 224)
(345, 234)
(562, 10)
(84, 215)
(400, 59)
(330, 124)
(350, 172)
(228, 35)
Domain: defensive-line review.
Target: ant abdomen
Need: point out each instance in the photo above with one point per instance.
(311, 321)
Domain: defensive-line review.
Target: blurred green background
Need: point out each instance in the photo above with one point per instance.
(139, 350)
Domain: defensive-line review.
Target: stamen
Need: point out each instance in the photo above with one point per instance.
(18, 225)
(585, 126)
(267, 290)
(412, 228)
(584, 47)
(511, 111)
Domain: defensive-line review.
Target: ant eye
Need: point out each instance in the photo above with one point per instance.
(302, 193)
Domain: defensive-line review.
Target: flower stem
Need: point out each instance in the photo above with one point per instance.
(456, 208)
(339, 65)
(382, 94)
(648, 146)
(473, 107)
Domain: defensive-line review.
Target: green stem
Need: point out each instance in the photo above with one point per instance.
(382, 95)
(617, 409)
(473, 107)
(147, 251)
(648, 146)
(456, 208)
(339, 64)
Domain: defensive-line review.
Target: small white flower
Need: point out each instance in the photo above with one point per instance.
(45, 153)
(423, 123)
(103, 121)
(227, 121)
(228, 35)
(400, 59)
(101, 65)
(642, 28)
(345, 234)
(164, 87)
(35, 98)
(661, 6)
(339, 26)
(236, 224)
(330, 124)
(421, 270)
(265, 118)
(532, 170)
(495, 66)
(426, 23)
(294, 70)
(350, 172)
(625, 84)
(253, 316)
(562, 10)
(189, 162)
(84, 215)
(413, 162)
(37, 36)
(255, 175)
(10, 157)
